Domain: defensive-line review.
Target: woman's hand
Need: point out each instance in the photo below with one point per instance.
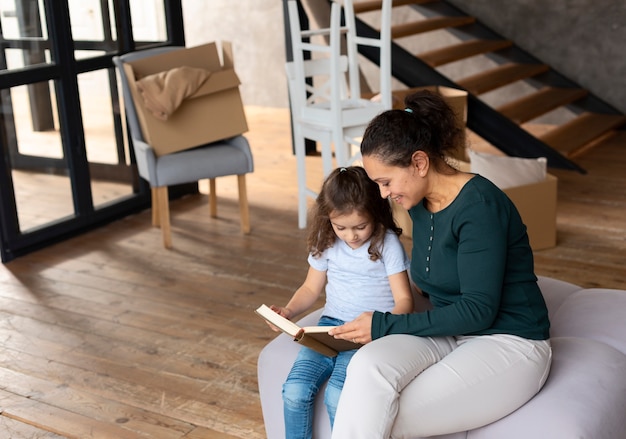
(358, 330)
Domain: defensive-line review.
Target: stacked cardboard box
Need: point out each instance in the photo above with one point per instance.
(214, 112)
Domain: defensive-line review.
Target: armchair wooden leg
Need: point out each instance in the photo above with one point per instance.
(212, 198)
(243, 204)
(164, 215)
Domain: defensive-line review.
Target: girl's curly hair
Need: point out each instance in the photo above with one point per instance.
(344, 191)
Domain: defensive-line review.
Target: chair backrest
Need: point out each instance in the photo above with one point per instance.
(321, 79)
(129, 105)
(341, 71)
(383, 44)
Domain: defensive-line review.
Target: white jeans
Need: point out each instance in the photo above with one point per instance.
(403, 386)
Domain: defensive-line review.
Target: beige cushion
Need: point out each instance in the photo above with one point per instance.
(505, 172)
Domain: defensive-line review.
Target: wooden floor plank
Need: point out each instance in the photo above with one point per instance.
(161, 393)
(19, 430)
(59, 421)
(85, 404)
(205, 433)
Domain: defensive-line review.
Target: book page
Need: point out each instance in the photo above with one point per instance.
(317, 329)
(285, 325)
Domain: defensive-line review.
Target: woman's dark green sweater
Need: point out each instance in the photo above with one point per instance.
(474, 261)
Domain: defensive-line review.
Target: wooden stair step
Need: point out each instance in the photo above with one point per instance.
(575, 134)
(461, 51)
(429, 24)
(541, 102)
(500, 76)
(375, 5)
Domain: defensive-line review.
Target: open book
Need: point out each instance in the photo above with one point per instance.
(314, 337)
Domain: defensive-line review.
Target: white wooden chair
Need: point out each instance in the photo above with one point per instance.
(328, 110)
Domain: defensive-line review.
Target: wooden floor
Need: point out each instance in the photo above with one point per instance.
(109, 335)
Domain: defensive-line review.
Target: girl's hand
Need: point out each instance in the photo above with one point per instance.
(358, 330)
(285, 312)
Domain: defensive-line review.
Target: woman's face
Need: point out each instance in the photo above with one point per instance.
(402, 185)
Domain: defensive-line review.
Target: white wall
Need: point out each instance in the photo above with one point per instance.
(256, 29)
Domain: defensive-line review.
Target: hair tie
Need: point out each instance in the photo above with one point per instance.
(342, 170)
(408, 110)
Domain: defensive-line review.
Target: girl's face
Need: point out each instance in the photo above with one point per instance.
(355, 229)
(399, 184)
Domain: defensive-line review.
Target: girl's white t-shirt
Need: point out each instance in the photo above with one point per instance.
(355, 283)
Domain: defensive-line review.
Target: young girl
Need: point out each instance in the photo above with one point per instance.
(356, 254)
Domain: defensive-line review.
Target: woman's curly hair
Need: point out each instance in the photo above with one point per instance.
(427, 124)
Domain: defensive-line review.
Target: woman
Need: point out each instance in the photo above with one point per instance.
(483, 350)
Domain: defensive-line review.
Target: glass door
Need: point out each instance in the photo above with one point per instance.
(66, 165)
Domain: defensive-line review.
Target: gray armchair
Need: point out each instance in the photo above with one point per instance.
(226, 157)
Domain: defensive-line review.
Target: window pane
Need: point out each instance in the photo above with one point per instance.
(111, 174)
(19, 58)
(24, 33)
(22, 18)
(42, 188)
(36, 122)
(148, 17)
(93, 27)
(86, 20)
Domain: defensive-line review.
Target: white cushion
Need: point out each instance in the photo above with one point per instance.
(504, 171)
(594, 314)
(555, 293)
(584, 397)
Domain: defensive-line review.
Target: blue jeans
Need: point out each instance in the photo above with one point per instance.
(308, 373)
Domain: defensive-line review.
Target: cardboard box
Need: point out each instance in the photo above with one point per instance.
(535, 202)
(213, 113)
(456, 99)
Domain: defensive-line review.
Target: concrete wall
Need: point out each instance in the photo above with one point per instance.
(583, 39)
(255, 27)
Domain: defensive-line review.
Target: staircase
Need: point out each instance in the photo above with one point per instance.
(503, 126)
